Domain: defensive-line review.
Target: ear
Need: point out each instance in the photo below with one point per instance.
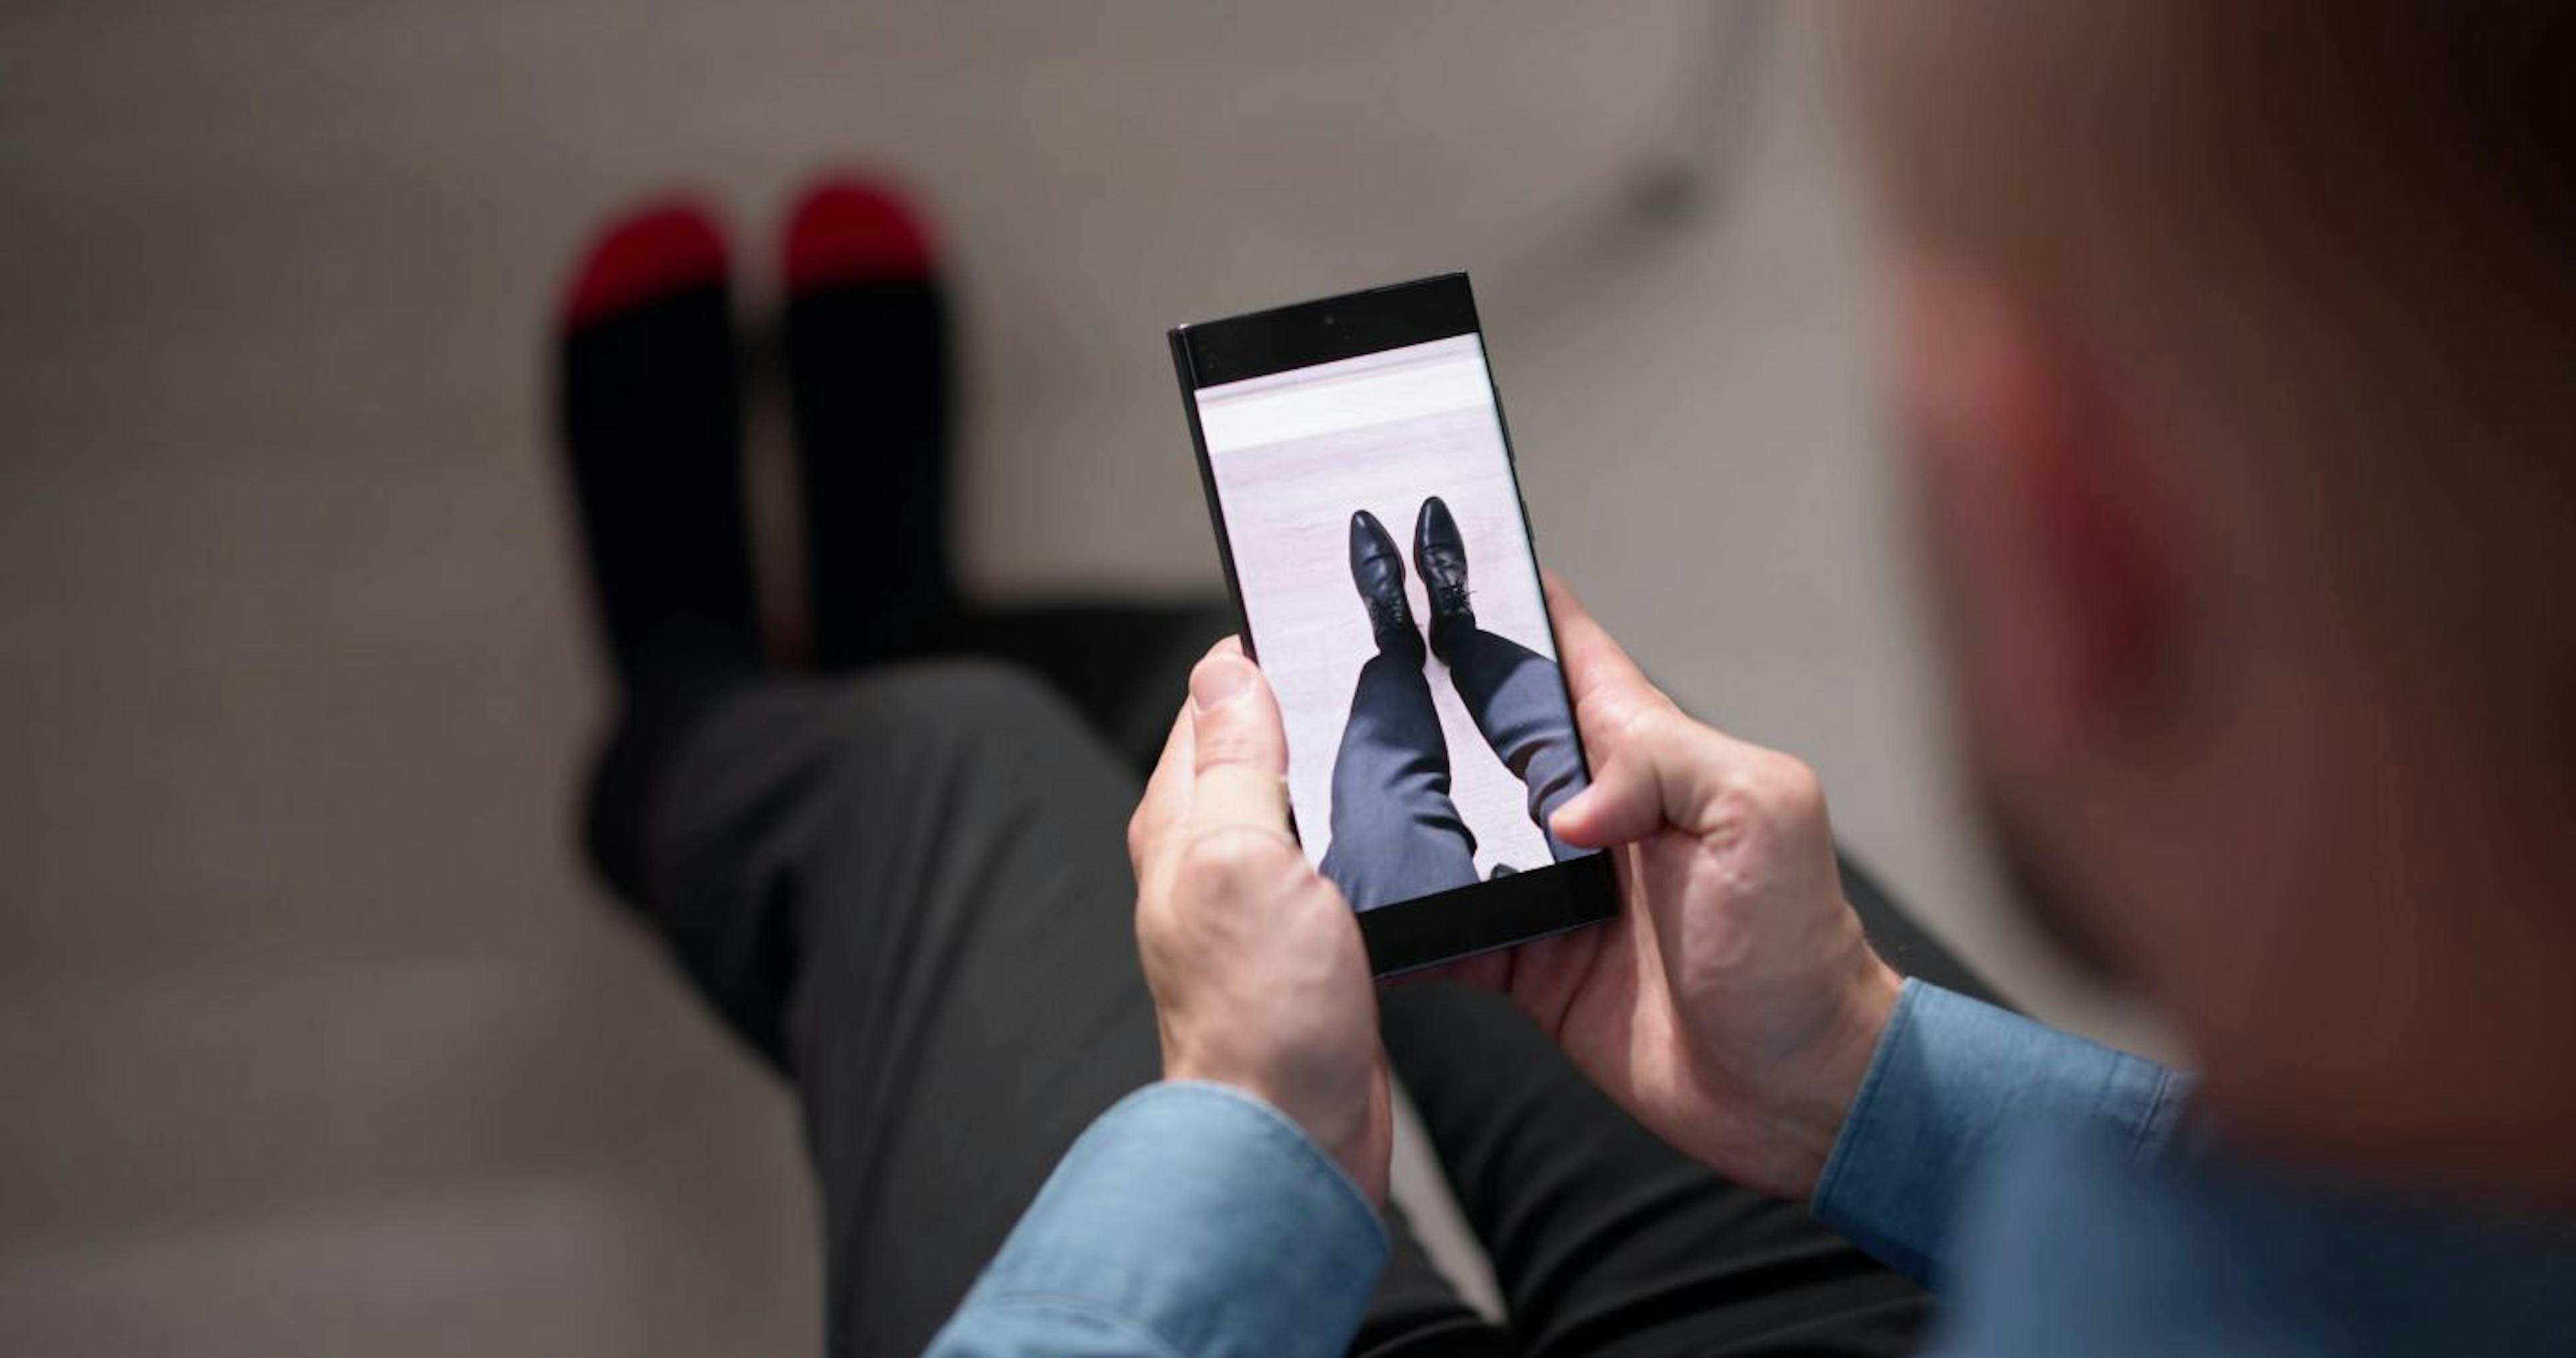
(2053, 536)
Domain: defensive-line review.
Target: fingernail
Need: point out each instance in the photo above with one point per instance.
(1219, 680)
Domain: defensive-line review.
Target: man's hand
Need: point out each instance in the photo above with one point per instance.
(1255, 961)
(1733, 1005)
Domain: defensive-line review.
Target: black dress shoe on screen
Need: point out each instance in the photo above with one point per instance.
(1440, 554)
(1377, 569)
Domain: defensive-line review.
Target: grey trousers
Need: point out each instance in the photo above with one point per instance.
(1396, 833)
(907, 890)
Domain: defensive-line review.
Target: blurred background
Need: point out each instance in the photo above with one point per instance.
(315, 1037)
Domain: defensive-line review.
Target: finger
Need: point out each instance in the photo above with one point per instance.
(1239, 752)
(1624, 804)
(1668, 770)
(1596, 667)
(1166, 803)
(1610, 693)
(1612, 701)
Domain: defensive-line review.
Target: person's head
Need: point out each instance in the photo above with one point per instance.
(2236, 348)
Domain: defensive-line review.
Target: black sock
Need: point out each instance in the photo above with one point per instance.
(650, 404)
(867, 344)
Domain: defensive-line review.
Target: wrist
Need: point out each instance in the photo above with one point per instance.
(1808, 1115)
(1338, 1121)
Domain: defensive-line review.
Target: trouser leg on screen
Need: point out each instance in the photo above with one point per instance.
(909, 890)
(1396, 834)
(1517, 699)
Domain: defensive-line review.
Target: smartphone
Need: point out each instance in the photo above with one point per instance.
(1377, 546)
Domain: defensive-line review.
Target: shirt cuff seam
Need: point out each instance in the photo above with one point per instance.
(1315, 1157)
(1864, 1100)
(2155, 1125)
(1072, 1303)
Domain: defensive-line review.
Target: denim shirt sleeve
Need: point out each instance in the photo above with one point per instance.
(1190, 1219)
(1951, 1080)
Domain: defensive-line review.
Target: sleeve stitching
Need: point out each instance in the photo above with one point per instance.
(1076, 1305)
(1312, 1159)
(1856, 1121)
(2151, 1128)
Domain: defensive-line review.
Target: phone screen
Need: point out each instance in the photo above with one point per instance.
(1383, 561)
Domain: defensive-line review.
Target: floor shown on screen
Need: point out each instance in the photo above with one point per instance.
(1288, 510)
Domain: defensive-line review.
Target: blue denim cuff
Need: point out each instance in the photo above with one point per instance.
(1194, 1219)
(1951, 1080)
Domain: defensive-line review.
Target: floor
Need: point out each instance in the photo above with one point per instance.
(315, 1037)
(1289, 491)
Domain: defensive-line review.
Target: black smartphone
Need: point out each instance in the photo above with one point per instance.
(1375, 540)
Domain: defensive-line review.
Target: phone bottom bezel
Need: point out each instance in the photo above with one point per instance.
(1484, 916)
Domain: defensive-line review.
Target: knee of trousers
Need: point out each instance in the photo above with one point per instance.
(970, 798)
(963, 705)
(989, 753)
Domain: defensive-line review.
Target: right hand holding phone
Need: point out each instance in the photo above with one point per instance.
(1733, 1005)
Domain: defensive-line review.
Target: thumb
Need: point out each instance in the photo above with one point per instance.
(1657, 762)
(1624, 804)
(1240, 750)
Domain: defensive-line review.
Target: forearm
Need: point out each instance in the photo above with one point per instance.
(1951, 1080)
(1190, 1219)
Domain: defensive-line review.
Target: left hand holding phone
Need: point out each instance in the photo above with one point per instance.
(1259, 977)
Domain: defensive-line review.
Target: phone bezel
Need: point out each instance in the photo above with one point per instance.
(1482, 916)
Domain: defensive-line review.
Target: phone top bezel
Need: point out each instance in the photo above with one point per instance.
(1328, 329)
(1481, 916)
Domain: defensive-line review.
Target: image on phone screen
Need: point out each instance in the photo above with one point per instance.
(1384, 566)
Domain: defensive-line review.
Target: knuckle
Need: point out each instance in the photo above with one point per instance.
(1644, 726)
(1662, 735)
(1239, 859)
(1224, 743)
(1787, 786)
(1663, 732)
